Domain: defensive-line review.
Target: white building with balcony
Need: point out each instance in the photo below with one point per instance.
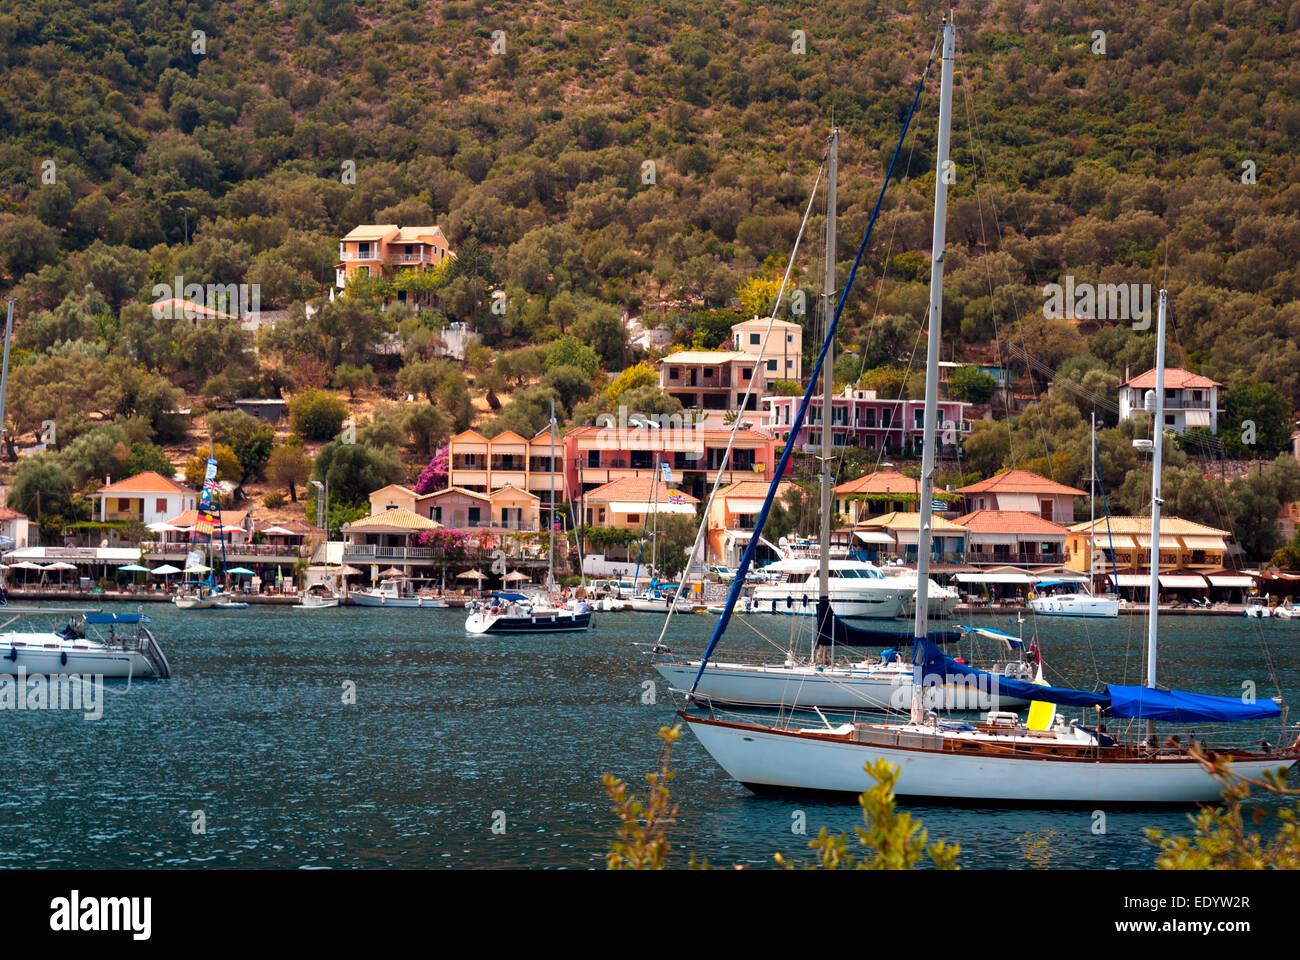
(1191, 400)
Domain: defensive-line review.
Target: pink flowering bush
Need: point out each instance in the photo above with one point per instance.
(434, 476)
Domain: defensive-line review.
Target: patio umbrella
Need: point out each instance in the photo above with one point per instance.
(135, 568)
(243, 571)
(197, 568)
(392, 572)
(165, 570)
(348, 572)
(514, 575)
(471, 575)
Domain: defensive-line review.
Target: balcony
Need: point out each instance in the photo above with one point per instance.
(424, 256)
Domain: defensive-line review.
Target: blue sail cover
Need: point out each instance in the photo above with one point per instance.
(1138, 703)
(1178, 706)
(845, 634)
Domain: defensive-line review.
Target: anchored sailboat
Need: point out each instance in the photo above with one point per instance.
(999, 758)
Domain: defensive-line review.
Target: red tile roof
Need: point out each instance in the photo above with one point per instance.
(1010, 521)
(1021, 481)
(1176, 378)
(639, 489)
(7, 514)
(147, 482)
(882, 481)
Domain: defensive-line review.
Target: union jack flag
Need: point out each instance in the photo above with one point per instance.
(676, 498)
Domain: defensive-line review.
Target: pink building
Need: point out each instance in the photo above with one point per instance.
(860, 419)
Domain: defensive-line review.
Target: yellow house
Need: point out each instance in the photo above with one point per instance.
(1126, 542)
(624, 504)
(885, 488)
(780, 353)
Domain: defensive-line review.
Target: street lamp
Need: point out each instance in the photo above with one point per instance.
(185, 212)
(322, 503)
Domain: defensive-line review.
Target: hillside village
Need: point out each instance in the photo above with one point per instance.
(392, 337)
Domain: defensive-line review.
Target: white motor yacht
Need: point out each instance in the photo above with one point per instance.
(857, 589)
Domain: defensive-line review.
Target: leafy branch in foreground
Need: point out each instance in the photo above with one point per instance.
(643, 835)
(895, 840)
(1221, 841)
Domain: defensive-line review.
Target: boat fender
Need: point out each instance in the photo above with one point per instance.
(63, 658)
(12, 654)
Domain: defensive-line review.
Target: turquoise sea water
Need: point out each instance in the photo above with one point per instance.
(451, 735)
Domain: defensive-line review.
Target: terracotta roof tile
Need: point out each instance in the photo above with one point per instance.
(1021, 481)
(1010, 521)
(147, 482)
(640, 489)
(1176, 378)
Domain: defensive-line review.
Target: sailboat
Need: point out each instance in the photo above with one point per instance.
(206, 594)
(1000, 757)
(519, 613)
(836, 589)
(1076, 599)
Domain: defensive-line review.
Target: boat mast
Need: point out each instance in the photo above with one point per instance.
(550, 550)
(828, 388)
(924, 532)
(1157, 457)
(1092, 508)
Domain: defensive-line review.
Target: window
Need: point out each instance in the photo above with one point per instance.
(160, 505)
(789, 364)
(634, 518)
(918, 419)
(771, 365)
(123, 505)
(755, 338)
(789, 338)
(474, 516)
(708, 373)
(746, 373)
(673, 373)
(435, 514)
(1045, 509)
(869, 417)
(1169, 419)
(593, 458)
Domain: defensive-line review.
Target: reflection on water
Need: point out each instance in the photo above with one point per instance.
(451, 733)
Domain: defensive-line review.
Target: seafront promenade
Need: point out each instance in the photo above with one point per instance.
(278, 599)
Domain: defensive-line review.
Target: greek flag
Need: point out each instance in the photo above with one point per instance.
(666, 471)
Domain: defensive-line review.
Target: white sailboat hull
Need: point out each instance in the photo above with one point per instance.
(797, 761)
(196, 603)
(1075, 605)
(803, 686)
(370, 600)
(51, 655)
(649, 605)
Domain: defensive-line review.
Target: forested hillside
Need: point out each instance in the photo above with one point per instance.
(599, 157)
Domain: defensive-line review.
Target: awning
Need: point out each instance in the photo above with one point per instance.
(1197, 418)
(1063, 577)
(873, 536)
(995, 578)
(1119, 541)
(1130, 580)
(1176, 581)
(1231, 580)
(744, 504)
(1203, 543)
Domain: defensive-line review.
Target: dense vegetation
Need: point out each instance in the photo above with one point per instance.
(616, 158)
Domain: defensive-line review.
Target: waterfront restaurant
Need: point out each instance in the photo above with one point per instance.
(1012, 537)
(390, 537)
(1191, 557)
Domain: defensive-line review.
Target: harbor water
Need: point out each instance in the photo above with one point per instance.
(367, 737)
